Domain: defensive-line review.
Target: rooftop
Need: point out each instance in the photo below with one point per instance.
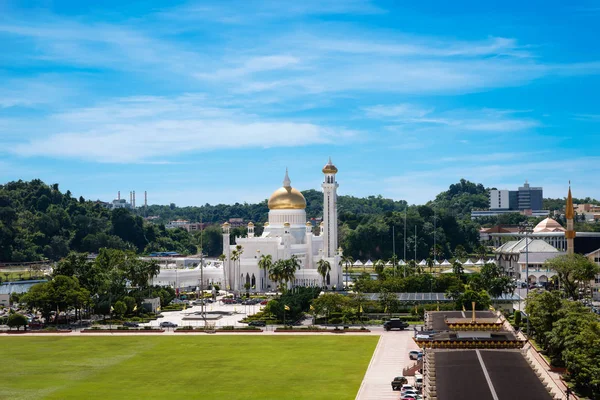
(485, 375)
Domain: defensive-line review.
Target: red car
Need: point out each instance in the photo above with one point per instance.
(264, 302)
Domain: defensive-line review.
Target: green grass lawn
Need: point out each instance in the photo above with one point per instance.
(190, 367)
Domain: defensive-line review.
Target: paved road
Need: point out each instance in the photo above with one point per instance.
(389, 358)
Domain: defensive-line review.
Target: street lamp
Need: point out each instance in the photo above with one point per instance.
(526, 228)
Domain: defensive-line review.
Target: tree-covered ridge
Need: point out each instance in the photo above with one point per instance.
(38, 221)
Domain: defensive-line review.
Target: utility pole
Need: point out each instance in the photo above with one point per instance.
(434, 237)
(405, 241)
(394, 240)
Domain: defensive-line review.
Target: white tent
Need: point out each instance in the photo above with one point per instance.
(480, 262)
(369, 263)
(388, 264)
(445, 263)
(423, 262)
(401, 262)
(468, 263)
(491, 261)
(436, 263)
(357, 263)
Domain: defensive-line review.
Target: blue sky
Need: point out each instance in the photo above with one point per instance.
(206, 102)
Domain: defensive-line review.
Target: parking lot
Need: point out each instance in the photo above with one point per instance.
(218, 313)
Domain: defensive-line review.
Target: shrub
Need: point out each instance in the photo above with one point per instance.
(227, 328)
(518, 318)
(17, 320)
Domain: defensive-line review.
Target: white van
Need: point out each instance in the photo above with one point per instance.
(419, 381)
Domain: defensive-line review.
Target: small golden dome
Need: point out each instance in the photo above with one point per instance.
(322, 223)
(308, 223)
(266, 224)
(330, 168)
(226, 224)
(286, 197)
(286, 224)
(250, 223)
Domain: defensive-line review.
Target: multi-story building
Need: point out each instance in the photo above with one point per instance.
(594, 257)
(527, 200)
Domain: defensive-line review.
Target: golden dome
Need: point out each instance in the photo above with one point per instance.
(266, 223)
(226, 224)
(308, 223)
(286, 224)
(330, 168)
(250, 223)
(286, 197)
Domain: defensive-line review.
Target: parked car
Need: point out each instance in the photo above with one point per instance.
(228, 301)
(257, 323)
(264, 302)
(131, 324)
(398, 381)
(414, 354)
(419, 380)
(167, 324)
(395, 324)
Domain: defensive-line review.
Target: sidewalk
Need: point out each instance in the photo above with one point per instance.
(389, 358)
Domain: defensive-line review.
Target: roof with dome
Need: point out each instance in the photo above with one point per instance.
(548, 225)
(286, 197)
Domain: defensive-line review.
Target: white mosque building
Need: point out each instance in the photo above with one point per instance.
(288, 233)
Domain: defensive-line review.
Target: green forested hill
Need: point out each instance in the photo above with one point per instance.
(39, 221)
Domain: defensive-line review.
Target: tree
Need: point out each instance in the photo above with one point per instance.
(265, 263)
(379, 267)
(387, 299)
(460, 252)
(573, 269)
(457, 268)
(290, 266)
(59, 294)
(17, 320)
(323, 268)
(542, 311)
(481, 252)
(482, 300)
(119, 308)
(346, 261)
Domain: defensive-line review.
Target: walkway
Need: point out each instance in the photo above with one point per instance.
(389, 358)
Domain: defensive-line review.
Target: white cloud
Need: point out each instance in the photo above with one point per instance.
(148, 129)
(483, 120)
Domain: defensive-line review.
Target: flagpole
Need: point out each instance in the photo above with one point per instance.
(405, 241)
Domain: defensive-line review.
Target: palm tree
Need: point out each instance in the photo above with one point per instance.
(276, 271)
(290, 267)
(236, 255)
(394, 262)
(379, 267)
(323, 268)
(346, 261)
(265, 263)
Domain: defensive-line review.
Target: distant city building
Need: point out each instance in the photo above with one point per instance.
(594, 257)
(120, 203)
(185, 224)
(236, 222)
(527, 201)
(180, 223)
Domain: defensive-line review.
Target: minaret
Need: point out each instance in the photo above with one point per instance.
(227, 252)
(309, 245)
(330, 240)
(569, 214)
